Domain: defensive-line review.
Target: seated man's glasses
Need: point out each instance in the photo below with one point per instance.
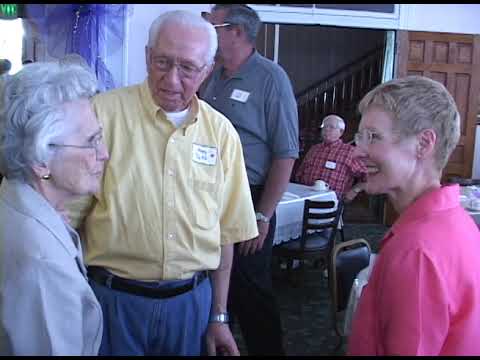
(95, 144)
(185, 69)
(329, 126)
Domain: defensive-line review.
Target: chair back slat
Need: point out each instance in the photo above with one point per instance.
(319, 226)
(321, 204)
(315, 220)
(326, 215)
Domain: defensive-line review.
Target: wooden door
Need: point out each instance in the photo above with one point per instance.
(454, 61)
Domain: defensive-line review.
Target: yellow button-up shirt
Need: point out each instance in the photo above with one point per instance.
(170, 197)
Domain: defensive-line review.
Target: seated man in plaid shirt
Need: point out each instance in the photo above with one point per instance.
(332, 162)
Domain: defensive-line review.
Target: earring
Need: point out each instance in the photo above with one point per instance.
(46, 177)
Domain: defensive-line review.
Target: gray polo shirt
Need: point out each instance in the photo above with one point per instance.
(260, 103)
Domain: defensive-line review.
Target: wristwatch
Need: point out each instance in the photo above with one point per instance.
(220, 318)
(261, 217)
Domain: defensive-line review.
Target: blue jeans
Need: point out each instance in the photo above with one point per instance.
(137, 325)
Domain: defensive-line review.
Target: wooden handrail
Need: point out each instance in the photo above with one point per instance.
(339, 75)
(339, 94)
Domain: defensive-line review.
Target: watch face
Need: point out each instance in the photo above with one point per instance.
(221, 318)
(261, 217)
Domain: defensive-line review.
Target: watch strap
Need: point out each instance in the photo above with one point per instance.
(220, 318)
(261, 217)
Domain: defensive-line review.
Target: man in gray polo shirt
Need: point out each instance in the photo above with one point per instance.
(257, 96)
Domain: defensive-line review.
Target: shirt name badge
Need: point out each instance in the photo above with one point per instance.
(240, 95)
(331, 165)
(203, 154)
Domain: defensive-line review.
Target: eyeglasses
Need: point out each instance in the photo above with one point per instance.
(329, 126)
(185, 69)
(216, 26)
(366, 137)
(95, 144)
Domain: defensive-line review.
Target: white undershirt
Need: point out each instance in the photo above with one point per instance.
(178, 118)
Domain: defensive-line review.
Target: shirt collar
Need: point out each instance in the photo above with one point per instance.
(246, 67)
(148, 102)
(335, 143)
(153, 109)
(445, 197)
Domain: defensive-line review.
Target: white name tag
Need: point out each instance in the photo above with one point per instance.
(204, 154)
(331, 165)
(240, 95)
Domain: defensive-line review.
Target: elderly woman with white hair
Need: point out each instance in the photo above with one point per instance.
(52, 151)
(423, 295)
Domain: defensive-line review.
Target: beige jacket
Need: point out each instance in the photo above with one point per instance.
(46, 304)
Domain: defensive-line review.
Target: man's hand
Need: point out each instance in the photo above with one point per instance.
(220, 340)
(354, 191)
(251, 246)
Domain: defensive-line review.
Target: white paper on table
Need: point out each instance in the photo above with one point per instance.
(290, 196)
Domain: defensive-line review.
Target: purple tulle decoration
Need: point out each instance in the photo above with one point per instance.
(81, 29)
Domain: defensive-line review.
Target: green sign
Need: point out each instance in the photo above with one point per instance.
(8, 11)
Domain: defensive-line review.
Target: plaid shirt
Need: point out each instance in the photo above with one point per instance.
(339, 179)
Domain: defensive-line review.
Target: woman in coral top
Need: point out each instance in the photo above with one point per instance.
(423, 296)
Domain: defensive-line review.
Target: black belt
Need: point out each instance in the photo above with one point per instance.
(104, 278)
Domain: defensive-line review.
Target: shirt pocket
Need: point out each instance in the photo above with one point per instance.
(206, 192)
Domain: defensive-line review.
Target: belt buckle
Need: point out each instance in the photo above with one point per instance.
(195, 280)
(198, 278)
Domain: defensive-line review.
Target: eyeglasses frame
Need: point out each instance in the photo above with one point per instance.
(171, 63)
(96, 146)
(216, 26)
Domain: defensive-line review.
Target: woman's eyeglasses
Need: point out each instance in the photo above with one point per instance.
(95, 144)
(366, 137)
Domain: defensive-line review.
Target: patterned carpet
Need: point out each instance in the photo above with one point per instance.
(306, 311)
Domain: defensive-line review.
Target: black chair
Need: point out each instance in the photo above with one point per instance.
(319, 230)
(347, 260)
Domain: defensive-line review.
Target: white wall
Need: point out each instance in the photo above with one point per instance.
(461, 18)
(138, 23)
(454, 18)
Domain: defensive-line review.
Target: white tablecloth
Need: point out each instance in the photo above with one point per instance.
(290, 210)
(467, 195)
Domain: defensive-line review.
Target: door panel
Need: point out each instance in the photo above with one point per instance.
(454, 61)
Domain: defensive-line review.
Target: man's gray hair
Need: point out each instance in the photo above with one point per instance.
(32, 114)
(186, 19)
(243, 15)
(417, 103)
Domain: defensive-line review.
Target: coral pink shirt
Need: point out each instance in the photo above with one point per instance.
(423, 296)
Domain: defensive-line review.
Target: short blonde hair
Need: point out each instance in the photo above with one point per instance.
(417, 103)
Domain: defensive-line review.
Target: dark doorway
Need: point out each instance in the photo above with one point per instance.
(331, 68)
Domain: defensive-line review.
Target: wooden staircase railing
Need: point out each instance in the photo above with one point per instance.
(340, 93)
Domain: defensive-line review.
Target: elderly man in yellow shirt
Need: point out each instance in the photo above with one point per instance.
(175, 199)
